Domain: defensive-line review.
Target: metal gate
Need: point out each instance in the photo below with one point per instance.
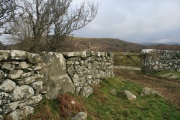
(130, 61)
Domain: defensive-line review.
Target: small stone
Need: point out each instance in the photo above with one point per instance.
(8, 66)
(1, 117)
(15, 74)
(7, 85)
(4, 54)
(9, 107)
(19, 114)
(80, 116)
(37, 68)
(86, 91)
(30, 101)
(2, 75)
(129, 95)
(21, 92)
(113, 92)
(23, 65)
(18, 55)
(28, 74)
(147, 91)
(76, 80)
(26, 81)
(5, 98)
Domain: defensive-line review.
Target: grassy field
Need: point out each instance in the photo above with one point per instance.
(102, 105)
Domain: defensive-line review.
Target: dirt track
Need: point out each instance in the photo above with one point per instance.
(169, 89)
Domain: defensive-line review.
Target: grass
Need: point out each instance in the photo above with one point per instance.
(166, 74)
(102, 105)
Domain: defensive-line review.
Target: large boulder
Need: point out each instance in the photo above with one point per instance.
(56, 80)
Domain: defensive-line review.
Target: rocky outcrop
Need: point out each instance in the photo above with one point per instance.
(25, 78)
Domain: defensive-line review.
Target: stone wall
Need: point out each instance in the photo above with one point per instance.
(25, 78)
(157, 60)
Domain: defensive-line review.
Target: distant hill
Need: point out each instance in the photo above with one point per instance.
(116, 45)
(107, 45)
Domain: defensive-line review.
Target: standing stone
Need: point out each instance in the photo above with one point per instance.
(129, 95)
(80, 116)
(56, 80)
(7, 85)
(2, 75)
(9, 107)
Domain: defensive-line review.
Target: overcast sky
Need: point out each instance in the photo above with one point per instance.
(135, 21)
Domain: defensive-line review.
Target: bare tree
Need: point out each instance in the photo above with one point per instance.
(7, 8)
(44, 16)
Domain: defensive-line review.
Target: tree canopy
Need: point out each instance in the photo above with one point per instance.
(33, 20)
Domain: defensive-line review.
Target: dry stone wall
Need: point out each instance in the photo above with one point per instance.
(25, 78)
(157, 60)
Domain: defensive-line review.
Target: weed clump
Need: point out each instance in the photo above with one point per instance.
(68, 105)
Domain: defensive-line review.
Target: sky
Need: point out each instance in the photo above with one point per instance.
(138, 21)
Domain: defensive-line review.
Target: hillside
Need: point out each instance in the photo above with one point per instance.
(104, 44)
(115, 45)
